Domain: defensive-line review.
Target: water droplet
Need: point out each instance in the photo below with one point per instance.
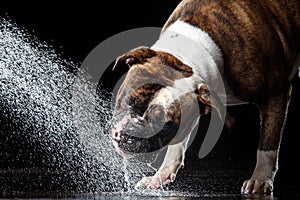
(59, 112)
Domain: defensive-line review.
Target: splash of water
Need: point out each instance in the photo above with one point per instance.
(59, 113)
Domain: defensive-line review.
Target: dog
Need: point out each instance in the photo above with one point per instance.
(250, 46)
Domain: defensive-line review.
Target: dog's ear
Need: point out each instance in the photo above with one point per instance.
(137, 55)
(210, 99)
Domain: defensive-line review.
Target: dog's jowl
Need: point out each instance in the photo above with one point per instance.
(249, 47)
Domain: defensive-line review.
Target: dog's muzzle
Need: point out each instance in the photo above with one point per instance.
(149, 133)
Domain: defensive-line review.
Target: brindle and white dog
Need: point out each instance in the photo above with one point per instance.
(255, 47)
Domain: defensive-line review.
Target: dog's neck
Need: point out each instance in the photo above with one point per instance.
(196, 48)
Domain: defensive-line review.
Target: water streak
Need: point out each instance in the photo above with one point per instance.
(52, 104)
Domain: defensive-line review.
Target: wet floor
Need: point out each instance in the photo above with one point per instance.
(204, 180)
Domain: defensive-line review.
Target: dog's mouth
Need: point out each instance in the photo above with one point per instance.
(146, 134)
(133, 144)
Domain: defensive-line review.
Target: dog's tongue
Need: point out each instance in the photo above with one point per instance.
(135, 144)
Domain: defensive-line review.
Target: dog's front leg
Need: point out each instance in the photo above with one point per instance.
(273, 115)
(173, 162)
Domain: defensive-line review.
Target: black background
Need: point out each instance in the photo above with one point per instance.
(74, 28)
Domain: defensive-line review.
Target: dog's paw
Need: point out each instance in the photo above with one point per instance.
(158, 181)
(256, 186)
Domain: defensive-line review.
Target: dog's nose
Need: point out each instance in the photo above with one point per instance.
(116, 134)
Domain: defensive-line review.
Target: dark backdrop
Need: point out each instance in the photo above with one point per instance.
(75, 28)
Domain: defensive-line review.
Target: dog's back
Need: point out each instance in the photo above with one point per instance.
(242, 29)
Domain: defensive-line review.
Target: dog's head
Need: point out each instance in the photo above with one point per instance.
(157, 103)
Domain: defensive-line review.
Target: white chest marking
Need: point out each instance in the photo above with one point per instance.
(196, 49)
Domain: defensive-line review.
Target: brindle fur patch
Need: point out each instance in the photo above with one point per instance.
(259, 41)
(233, 26)
(171, 61)
(141, 97)
(147, 66)
(142, 54)
(137, 55)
